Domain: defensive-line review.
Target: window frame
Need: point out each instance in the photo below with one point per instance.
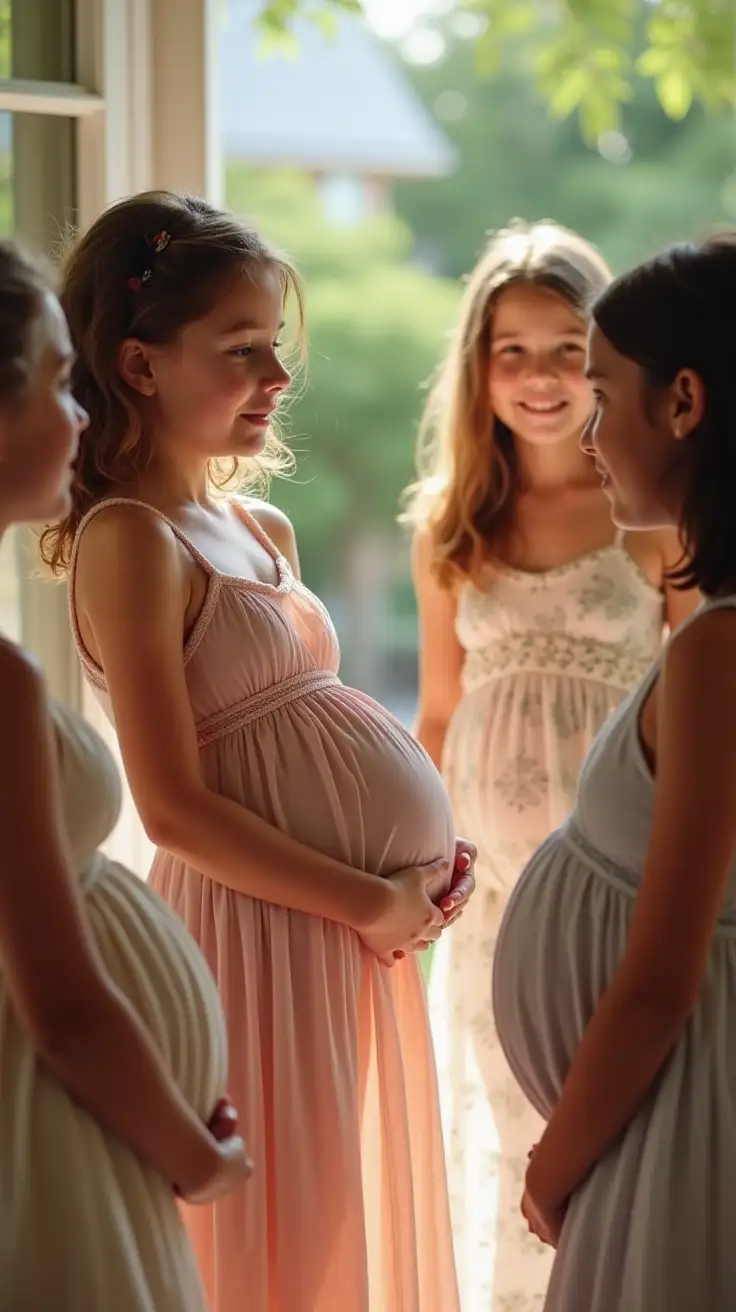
(132, 132)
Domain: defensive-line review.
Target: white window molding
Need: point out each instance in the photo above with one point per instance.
(63, 99)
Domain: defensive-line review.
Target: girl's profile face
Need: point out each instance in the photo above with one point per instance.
(40, 428)
(214, 389)
(635, 436)
(537, 385)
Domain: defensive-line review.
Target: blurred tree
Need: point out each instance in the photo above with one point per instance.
(587, 52)
(275, 17)
(651, 181)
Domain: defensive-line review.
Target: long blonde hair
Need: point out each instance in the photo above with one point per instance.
(204, 249)
(465, 483)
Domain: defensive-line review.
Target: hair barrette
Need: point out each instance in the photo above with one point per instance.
(154, 246)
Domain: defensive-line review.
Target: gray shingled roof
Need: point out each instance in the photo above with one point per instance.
(340, 105)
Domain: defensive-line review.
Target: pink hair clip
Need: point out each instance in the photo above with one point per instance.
(154, 246)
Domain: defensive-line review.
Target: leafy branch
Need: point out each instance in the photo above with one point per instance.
(585, 60)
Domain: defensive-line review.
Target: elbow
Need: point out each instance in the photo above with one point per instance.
(167, 820)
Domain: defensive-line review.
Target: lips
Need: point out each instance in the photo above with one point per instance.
(260, 418)
(543, 407)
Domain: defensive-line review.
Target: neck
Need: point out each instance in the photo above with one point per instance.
(547, 468)
(168, 481)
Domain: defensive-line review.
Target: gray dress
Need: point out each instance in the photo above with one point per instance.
(653, 1229)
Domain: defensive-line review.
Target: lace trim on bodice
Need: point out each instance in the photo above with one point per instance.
(216, 580)
(232, 718)
(597, 617)
(620, 665)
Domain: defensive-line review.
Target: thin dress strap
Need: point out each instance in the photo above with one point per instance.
(197, 555)
(93, 671)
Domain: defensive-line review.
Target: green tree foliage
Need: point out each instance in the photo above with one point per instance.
(587, 53)
(651, 181)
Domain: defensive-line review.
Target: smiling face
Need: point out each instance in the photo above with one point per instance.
(213, 390)
(537, 384)
(637, 434)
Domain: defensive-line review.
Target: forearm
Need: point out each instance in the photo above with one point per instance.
(431, 733)
(623, 1049)
(235, 847)
(105, 1058)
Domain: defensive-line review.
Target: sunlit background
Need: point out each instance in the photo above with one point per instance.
(379, 154)
(380, 158)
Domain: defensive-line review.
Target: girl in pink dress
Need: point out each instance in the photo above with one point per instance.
(304, 837)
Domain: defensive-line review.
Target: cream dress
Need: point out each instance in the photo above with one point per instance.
(84, 1225)
(547, 657)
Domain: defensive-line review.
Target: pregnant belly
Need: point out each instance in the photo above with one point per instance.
(158, 967)
(561, 941)
(337, 772)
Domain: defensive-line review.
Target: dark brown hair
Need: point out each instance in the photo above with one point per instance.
(678, 311)
(23, 286)
(206, 249)
(465, 456)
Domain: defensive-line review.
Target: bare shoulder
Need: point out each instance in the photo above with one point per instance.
(697, 676)
(278, 526)
(422, 557)
(705, 645)
(127, 533)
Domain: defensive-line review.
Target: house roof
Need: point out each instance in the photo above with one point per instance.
(340, 105)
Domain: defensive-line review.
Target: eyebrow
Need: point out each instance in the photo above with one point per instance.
(522, 332)
(594, 375)
(247, 326)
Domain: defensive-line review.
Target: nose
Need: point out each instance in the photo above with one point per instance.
(82, 417)
(586, 437)
(278, 377)
(540, 368)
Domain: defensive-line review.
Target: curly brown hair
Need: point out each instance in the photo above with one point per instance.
(206, 248)
(465, 456)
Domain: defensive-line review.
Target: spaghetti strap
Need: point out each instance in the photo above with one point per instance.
(186, 542)
(258, 531)
(93, 671)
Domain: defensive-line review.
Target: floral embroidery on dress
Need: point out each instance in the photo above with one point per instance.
(547, 658)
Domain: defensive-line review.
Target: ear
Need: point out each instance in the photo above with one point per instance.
(688, 403)
(136, 366)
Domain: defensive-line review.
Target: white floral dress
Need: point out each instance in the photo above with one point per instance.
(547, 657)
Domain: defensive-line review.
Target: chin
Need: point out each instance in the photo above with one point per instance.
(546, 434)
(248, 442)
(632, 521)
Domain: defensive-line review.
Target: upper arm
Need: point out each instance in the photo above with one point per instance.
(440, 653)
(132, 585)
(279, 528)
(49, 960)
(678, 604)
(693, 839)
